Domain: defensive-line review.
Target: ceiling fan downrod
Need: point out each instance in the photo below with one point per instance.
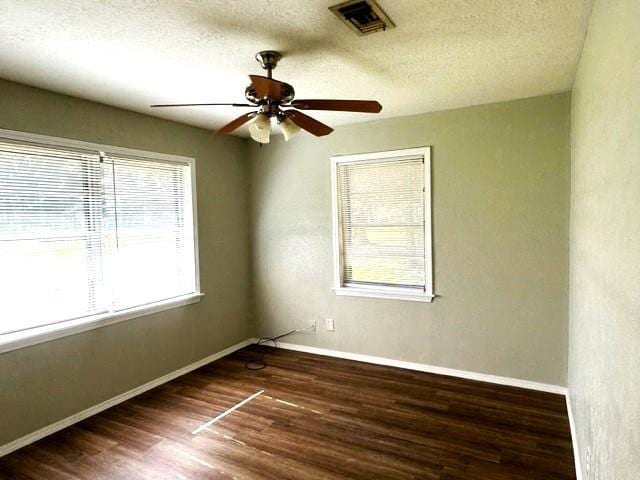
(268, 59)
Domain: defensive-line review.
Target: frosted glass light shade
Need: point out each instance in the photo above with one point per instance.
(260, 128)
(289, 129)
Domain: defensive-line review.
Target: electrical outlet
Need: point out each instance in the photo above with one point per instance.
(588, 463)
(331, 326)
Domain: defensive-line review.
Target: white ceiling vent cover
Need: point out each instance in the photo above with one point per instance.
(363, 16)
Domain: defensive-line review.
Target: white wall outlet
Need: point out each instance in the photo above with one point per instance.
(331, 326)
(588, 464)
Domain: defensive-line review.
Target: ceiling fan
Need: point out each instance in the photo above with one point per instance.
(274, 99)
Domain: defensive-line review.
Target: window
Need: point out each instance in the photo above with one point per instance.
(90, 232)
(382, 224)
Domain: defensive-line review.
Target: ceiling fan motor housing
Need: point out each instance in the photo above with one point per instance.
(268, 59)
(287, 94)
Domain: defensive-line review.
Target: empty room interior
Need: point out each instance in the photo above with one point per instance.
(296, 239)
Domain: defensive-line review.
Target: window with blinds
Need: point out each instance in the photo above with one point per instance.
(148, 230)
(84, 233)
(382, 223)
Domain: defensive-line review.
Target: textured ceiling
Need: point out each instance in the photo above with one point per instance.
(442, 54)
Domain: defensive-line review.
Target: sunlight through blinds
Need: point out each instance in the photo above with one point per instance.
(382, 222)
(148, 230)
(50, 235)
(84, 233)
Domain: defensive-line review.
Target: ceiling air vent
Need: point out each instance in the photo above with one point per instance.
(363, 16)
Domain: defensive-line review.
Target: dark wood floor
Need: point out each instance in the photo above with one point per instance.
(318, 418)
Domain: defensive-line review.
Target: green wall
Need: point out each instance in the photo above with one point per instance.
(500, 227)
(47, 382)
(604, 348)
(500, 205)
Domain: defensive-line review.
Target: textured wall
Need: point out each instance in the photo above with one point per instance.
(50, 381)
(500, 205)
(604, 348)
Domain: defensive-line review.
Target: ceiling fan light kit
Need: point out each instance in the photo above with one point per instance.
(275, 100)
(260, 128)
(288, 128)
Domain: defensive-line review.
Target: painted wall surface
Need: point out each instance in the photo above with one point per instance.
(604, 347)
(45, 383)
(500, 227)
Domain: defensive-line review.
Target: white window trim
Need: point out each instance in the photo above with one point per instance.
(381, 291)
(45, 333)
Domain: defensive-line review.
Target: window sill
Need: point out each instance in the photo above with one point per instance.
(34, 336)
(380, 293)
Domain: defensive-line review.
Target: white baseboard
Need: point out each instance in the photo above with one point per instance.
(48, 430)
(423, 367)
(574, 439)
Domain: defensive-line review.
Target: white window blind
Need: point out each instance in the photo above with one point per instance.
(381, 216)
(148, 230)
(84, 233)
(50, 235)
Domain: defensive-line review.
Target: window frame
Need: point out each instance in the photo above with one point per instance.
(45, 333)
(379, 291)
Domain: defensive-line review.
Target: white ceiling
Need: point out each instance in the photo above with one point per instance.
(442, 54)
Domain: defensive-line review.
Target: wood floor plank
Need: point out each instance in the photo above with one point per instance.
(318, 418)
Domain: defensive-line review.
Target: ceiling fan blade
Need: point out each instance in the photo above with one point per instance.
(267, 87)
(311, 125)
(233, 124)
(202, 105)
(365, 106)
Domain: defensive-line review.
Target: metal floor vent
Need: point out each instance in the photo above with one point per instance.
(362, 16)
